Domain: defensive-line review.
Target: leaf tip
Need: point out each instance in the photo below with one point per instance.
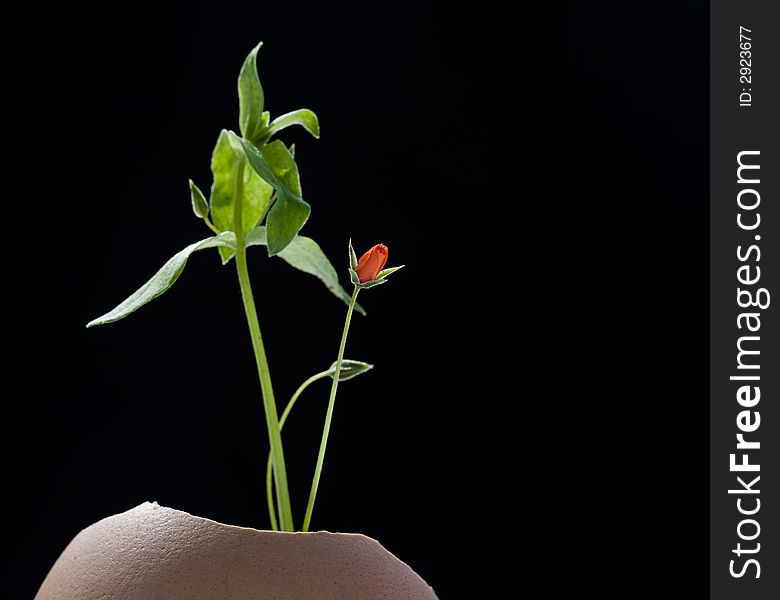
(99, 321)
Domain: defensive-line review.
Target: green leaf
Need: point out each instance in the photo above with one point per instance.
(199, 205)
(257, 193)
(304, 254)
(250, 98)
(223, 167)
(303, 117)
(385, 272)
(282, 163)
(275, 164)
(350, 369)
(264, 118)
(163, 279)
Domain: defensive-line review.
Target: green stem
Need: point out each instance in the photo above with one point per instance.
(328, 416)
(269, 404)
(211, 225)
(268, 469)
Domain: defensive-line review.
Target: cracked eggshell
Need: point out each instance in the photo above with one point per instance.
(155, 553)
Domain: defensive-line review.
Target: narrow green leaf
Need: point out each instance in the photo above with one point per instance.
(163, 279)
(385, 272)
(289, 213)
(199, 205)
(303, 117)
(250, 97)
(257, 193)
(350, 369)
(304, 254)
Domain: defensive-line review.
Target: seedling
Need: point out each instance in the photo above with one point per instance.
(256, 200)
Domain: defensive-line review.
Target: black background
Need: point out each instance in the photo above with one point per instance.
(541, 374)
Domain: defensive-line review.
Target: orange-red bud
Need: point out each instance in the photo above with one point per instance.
(371, 263)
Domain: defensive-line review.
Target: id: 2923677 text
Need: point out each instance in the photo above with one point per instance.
(745, 66)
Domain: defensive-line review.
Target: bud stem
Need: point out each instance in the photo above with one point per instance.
(329, 415)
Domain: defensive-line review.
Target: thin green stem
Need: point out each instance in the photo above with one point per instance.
(269, 467)
(211, 225)
(328, 416)
(269, 404)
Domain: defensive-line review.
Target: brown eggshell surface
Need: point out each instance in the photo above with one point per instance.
(155, 553)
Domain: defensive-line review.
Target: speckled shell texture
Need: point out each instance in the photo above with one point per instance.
(157, 553)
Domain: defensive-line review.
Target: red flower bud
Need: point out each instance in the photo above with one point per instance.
(371, 263)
